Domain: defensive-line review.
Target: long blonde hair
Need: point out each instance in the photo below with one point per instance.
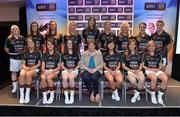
(121, 33)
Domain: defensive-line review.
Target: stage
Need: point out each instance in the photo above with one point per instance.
(9, 104)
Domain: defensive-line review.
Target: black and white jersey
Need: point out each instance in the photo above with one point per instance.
(92, 34)
(71, 60)
(51, 61)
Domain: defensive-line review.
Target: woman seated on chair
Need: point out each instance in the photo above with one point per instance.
(50, 68)
(31, 63)
(152, 66)
(112, 64)
(132, 63)
(70, 68)
(91, 65)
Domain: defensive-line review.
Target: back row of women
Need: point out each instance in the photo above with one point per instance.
(105, 53)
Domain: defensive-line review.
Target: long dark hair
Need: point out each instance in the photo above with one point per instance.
(35, 48)
(94, 19)
(52, 42)
(31, 32)
(114, 49)
(128, 51)
(49, 33)
(74, 49)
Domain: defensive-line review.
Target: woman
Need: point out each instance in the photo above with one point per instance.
(30, 67)
(70, 68)
(73, 35)
(132, 63)
(91, 65)
(105, 36)
(152, 66)
(14, 46)
(112, 64)
(50, 68)
(142, 38)
(54, 35)
(123, 37)
(36, 35)
(91, 32)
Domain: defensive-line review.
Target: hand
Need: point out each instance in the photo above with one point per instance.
(93, 71)
(112, 72)
(155, 70)
(136, 71)
(27, 68)
(163, 68)
(69, 70)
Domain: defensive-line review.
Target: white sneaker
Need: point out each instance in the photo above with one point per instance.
(135, 97)
(113, 95)
(14, 84)
(71, 101)
(51, 99)
(44, 98)
(160, 100)
(153, 97)
(66, 97)
(27, 96)
(117, 98)
(21, 100)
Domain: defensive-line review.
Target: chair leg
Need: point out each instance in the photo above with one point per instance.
(102, 89)
(59, 92)
(146, 93)
(17, 91)
(166, 95)
(125, 91)
(122, 91)
(37, 89)
(80, 90)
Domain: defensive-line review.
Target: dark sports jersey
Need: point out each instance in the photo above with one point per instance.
(122, 43)
(51, 61)
(151, 61)
(15, 46)
(112, 61)
(162, 42)
(75, 38)
(142, 42)
(71, 60)
(90, 34)
(132, 61)
(31, 59)
(58, 40)
(103, 38)
(39, 40)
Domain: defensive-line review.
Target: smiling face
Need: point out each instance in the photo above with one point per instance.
(52, 25)
(151, 46)
(72, 26)
(142, 28)
(30, 43)
(159, 26)
(91, 22)
(50, 46)
(69, 44)
(15, 30)
(111, 46)
(91, 47)
(107, 26)
(34, 27)
(132, 46)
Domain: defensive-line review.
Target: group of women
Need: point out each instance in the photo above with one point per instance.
(105, 53)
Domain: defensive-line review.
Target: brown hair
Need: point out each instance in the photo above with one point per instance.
(160, 21)
(128, 51)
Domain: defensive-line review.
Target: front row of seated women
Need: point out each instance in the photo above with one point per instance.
(91, 65)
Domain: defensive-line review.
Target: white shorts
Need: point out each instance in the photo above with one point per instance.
(73, 72)
(15, 65)
(156, 73)
(51, 70)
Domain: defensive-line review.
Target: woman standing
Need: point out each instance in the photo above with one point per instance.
(31, 63)
(91, 32)
(105, 36)
(91, 65)
(123, 37)
(112, 64)
(36, 35)
(152, 66)
(49, 68)
(70, 71)
(53, 34)
(73, 35)
(14, 46)
(132, 63)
